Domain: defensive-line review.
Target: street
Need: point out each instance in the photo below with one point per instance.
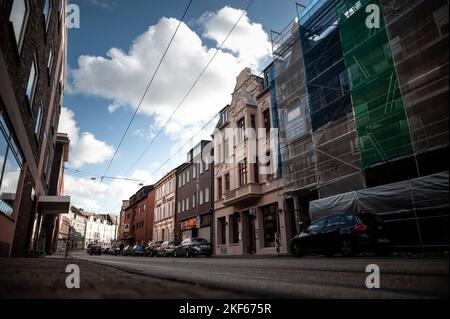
(288, 277)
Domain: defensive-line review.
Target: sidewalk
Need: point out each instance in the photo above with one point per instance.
(44, 278)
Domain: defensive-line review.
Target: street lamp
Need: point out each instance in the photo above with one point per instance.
(118, 178)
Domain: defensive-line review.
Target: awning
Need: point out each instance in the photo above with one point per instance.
(54, 205)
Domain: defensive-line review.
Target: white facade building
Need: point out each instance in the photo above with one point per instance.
(100, 230)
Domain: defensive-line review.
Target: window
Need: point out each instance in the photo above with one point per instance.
(253, 122)
(267, 125)
(50, 62)
(37, 127)
(241, 129)
(183, 205)
(194, 171)
(219, 188)
(317, 225)
(233, 229)
(333, 221)
(200, 201)
(221, 229)
(18, 17)
(179, 206)
(201, 167)
(187, 177)
(47, 11)
(243, 173)
(179, 181)
(184, 179)
(193, 201)
(269, 224)
(10, 169)
(256, 170)
(206, 195)
(187, 203)
(32, 82)
(227, 182)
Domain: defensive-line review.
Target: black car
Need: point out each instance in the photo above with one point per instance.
(193, 247)
(152, 248)
(167, 248)
(126, 251)
(95, 250)
(137, 250)
(347, 234)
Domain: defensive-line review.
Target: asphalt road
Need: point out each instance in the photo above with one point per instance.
(288, 277)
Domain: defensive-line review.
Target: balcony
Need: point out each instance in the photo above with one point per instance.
(246, 193)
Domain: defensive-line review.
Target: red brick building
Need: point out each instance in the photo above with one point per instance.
(33, 40)
(137, 227)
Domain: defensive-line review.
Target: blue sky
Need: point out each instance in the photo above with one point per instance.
(105, 84)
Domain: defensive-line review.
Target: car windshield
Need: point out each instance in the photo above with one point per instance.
(174, 243)
(139, 247)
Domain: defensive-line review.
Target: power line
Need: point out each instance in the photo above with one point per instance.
(190, 89)
(143, 96)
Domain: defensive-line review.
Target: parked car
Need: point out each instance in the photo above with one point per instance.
(95, 250)
(192, 247)
(126, 251)
(347, 234)
(106, 251)
(152, 248)
(115, 251)
(88, 250)
(137, 250)
(167, 248)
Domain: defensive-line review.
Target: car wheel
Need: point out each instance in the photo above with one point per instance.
(297, 250)
(208, 255)
(347, 248)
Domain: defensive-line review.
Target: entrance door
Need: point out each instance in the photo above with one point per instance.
(251, 247)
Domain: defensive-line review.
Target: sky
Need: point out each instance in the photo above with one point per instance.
(111, 59)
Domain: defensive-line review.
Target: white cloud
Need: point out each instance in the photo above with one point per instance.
(121, 77)
(84, 148)
(249, 41)
(109, 194)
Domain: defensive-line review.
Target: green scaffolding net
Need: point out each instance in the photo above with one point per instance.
(381, 121)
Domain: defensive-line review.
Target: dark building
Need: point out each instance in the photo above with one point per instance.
(195, 200)
(33, 43)
(139, 217)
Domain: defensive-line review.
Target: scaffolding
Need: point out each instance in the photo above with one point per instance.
(418, 33)
(359, 106)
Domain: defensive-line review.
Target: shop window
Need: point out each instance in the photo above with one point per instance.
(269, 224)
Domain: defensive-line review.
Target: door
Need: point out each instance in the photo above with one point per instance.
(251, 247)
(330, 233)
(312, 241)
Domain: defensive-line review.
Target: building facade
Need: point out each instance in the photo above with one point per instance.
(139, 216)
(363, 107)
(165, 197)
(195, 196)
(100, 230)
(78, 222)
(122, 217)
(32, 81)
(248, 209)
